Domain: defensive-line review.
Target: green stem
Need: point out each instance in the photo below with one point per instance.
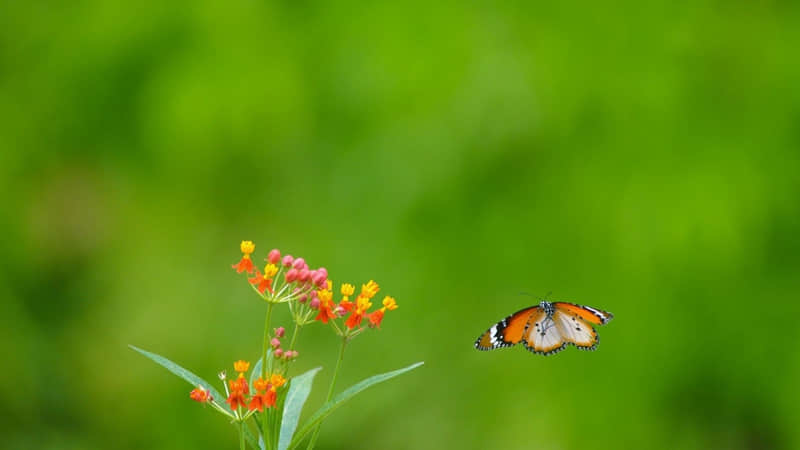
(266, 341)
(294, 335)
(265, 423)
(314, 436)
(241, 435)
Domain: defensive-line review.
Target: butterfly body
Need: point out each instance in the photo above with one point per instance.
(547, 328)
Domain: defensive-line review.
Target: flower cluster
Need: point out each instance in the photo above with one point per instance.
(297, 282)
(240, 396)
(355, 311)
(261, 397)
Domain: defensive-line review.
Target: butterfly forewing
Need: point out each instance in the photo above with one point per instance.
(587, 313)
(507, 332)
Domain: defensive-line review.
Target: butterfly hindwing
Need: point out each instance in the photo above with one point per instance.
(507, 332)
(543, 336)
(574, 330)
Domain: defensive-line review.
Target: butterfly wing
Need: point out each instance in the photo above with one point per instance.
(543, 337)
(574, 330)
(587, 313)
(507, 332)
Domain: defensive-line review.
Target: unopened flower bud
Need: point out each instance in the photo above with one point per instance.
(319, 279)
(280, 331)
(298, 263)
(288, 260)
(304, 275)
(222, 375)
(314, 303)
(279, 353)
(302, 298)
(274, 256)
(291, 275)
(275, 342)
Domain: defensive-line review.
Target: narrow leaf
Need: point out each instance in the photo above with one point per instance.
(191, 378)
(299, 388)
(256, 372)
(340, 399)
(248, 435)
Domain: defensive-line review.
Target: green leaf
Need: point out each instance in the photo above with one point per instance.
(299, 388)
(256, 444)
(256, 371)
(191, 378)
(340, 399)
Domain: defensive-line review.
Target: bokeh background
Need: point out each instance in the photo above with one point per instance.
(642, 158)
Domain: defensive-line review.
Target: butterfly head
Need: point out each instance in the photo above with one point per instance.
(547, 307)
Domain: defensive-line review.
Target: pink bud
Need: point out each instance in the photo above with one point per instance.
(291, 275)
(305, 266)
(280, 331)
(304, 275)
(293, 354)
(319, 279)
(287, 260)
(274, 256)
(279, 353)
(323, 270)
(313, 294)
(302, 298)
(298, 263)
(275, 342)
(314, 303)
(339, 311)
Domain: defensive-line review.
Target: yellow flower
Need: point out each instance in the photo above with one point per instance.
(270, 270)
(389, 303)
(241, 366)
(247, 247)
(277, 380)
(362, 304)
(348, 289)
(370, 289)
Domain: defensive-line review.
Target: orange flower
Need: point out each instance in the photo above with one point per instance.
(199, 394)
(276, 381)
(362, 305)
(325, 305)
(262, 282)
(376, 317)
(245, 264)
(260, 384)
(239, 389)
(265, 396)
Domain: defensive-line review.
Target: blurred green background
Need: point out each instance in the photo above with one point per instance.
(643, 159)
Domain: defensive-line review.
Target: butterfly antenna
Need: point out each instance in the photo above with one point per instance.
(526, 293)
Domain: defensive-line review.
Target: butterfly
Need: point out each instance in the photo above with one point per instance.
(547, 328)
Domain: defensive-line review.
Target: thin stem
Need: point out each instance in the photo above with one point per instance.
(314, 436)
(267, 320)
(294, 335)
(241, 435)
(266, 340)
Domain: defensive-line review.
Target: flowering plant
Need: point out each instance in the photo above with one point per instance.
(265, 406)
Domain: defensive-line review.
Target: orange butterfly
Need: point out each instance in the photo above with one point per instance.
(547, 328)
